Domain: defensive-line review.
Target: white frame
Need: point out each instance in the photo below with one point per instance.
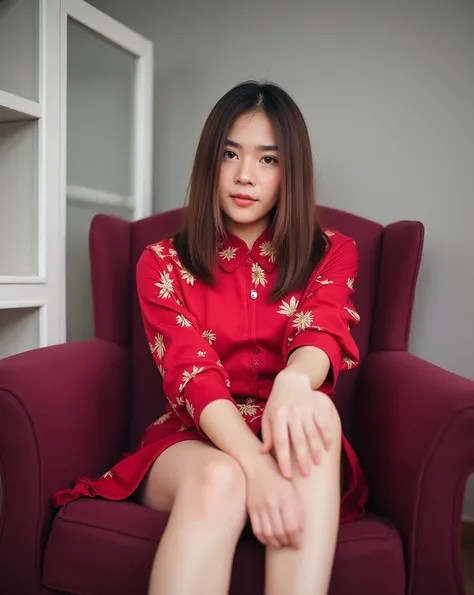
(47, 289)
(142, 153)
(142, 49)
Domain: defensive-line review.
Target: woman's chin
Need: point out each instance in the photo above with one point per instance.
(244, 217)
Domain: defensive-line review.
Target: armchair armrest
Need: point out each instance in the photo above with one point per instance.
(63, 412)
(414, 429)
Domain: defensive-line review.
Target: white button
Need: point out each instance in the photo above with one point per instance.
(253, 294)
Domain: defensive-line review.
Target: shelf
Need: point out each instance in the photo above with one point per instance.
(19, 330)
(14, 108)
(22, 292)
(19, 198)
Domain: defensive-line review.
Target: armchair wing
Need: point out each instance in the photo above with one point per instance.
(63, 412)
(415, 437)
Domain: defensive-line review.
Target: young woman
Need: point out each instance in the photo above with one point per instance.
(248, 314)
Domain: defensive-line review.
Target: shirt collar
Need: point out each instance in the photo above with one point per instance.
(233, 251)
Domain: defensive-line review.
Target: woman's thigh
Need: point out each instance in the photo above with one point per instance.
(189, 464)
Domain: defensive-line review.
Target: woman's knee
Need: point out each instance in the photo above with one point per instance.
(218, 489)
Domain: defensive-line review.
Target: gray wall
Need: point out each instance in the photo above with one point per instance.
(387, 88)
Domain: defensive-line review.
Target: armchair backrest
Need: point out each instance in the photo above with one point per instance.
(384, 295)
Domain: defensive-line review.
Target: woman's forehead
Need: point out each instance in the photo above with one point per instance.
(254, 129)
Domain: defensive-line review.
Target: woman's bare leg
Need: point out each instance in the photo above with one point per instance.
(205, 489)
(308, 570)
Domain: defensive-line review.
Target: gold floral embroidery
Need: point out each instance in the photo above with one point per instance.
(288, 308)
(108, 474)
(183, 428)
(219, 363)
(258, 275)
(350, 283)
(190, 408)
(166, 285)
(159, 346)
(249, 408)
(266, 249)
(201, 354)
(158, 249)
(348, 361)
(161, 420)
(187, 376)
(228, 253)
(329, 233)
(180, 401)
(169, 267)
(303, 320)
(209, 336)
(353, 313)
(324, 281)
(183, 321)
(162, 371)
(227, 383)
(187, 276)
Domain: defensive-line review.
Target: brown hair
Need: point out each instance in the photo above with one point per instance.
(298, 239)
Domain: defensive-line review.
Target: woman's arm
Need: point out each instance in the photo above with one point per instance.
(223, 424)
(273, 504)
(317, 346)
(193, 375)
(310, 363)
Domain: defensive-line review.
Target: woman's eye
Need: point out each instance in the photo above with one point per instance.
(268, 159)
(229, 154)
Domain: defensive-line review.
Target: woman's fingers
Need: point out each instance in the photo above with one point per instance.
(293, 523)
(282, 442)
(278, 525)
(323, 430)
(301, 448)
(313, 437)
(267, 438)
(257, 527)
(268, 531)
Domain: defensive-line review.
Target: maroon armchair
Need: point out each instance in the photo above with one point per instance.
(71, 410)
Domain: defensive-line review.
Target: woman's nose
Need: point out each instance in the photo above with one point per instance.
(244, 174)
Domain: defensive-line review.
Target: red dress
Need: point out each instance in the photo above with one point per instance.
(229, 342)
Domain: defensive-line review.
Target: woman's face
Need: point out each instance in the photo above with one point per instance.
(250, 175)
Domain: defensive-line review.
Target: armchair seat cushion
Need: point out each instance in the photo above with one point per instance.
(98, 546)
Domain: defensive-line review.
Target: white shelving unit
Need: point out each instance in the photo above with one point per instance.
(43, 108)
(23, 292)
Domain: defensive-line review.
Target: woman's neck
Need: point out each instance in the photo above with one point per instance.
(248, 232)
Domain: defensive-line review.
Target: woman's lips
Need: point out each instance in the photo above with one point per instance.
(243, 200)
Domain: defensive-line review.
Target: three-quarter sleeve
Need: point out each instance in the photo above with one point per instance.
(325, 316)
(193, 375)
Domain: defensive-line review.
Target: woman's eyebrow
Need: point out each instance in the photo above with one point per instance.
(232, 143)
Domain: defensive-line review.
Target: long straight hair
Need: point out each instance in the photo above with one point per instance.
(298, 239)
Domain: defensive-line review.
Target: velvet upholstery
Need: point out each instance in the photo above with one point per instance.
(70, 410)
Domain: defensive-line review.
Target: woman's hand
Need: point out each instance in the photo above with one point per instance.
(273, 505)
(297, 420)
